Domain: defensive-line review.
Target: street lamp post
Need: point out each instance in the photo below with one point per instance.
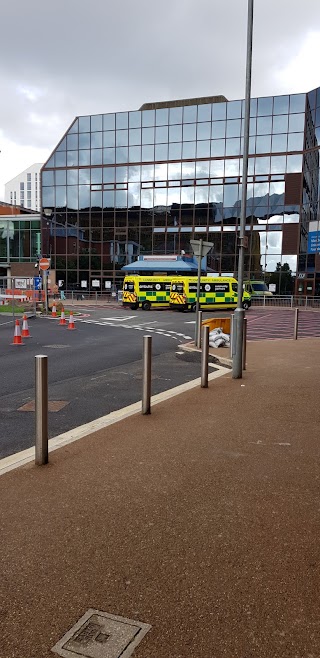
(239, 312)
(200, 249)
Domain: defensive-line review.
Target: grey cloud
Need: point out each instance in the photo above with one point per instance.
(98, 56)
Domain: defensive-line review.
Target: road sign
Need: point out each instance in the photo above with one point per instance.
(44, 263)
(37, 282)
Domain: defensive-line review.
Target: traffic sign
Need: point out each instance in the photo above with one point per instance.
(44, 263)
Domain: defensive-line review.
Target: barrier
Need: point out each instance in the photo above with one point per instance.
(25, 328)
(71, 325)
(62, 320)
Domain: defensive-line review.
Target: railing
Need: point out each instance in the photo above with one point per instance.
(286, 301)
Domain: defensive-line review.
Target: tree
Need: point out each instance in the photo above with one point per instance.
(282, 277)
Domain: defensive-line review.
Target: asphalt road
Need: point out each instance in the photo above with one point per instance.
(95, 369)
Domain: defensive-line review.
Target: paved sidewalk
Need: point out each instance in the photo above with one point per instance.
(201, 520)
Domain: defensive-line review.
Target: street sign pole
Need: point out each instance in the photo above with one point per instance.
(200, 249)
(239, 313)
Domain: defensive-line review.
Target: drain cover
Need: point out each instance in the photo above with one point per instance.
(100, 635)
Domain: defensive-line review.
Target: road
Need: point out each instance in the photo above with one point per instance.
(94, 370)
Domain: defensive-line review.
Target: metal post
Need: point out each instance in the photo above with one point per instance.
(204, 357)
(41, 409)
(296, 323)
(232, 336)
(291, 301)
(244, 351)
(199, 323)
(146, 375)
(96, 297)
(12, 286)
(239, 312)
(45, 285)
(197, 337)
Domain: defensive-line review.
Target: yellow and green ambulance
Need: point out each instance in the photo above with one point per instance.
(146, 292)
(215, 292)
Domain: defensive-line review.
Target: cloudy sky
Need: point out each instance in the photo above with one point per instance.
(71, 57)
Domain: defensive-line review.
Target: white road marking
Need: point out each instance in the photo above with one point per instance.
(190, 322)
(123, 319)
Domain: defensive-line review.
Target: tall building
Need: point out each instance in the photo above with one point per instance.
(24, 189)
(146, 182)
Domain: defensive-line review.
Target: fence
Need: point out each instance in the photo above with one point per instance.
(286, 301)
(19, 295)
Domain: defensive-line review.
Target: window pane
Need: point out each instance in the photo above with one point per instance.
(84, 124)
(134, 153)
(264, 125)
(121, 120)
(175, 133)
(263, 144)
(189, 150)
(295, 142)
(296, 123)
(262, 165)
(61, 177)
(148, 118)
(96, 123)
(147, 153)
(219, 111)
(147, 135)
(84, 157)
(84, 141)
(189, 132)
(175, 151)
(233, 146)
(47, 178)
(202, 169)
(109, 156)
(62, 147)
(96, 156)
(109, 121)
(189, 113)
(281, 105)
(162, 117)
(234, 128)
(72, 158)
(264, 106)
(161, 151)
(278, 164)
(72, 142)
(280, 124)
(48, 196)
(122, 138)
(279, 143)
(175, 115)
(134, 119)
(96, 175)
(60, 159)
(121, 154)
(109, 174)
(297, 102)
(204, 112)
(72, 176)
(234, 110)
(204, 130)
(203, 149)
(217, 147)
(109, 138)
(96, 140)
(218, 129)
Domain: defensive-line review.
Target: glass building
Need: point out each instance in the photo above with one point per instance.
(146, 182)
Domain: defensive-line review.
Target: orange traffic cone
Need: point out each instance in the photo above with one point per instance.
(54, 310)
(17, 334)
(71, 321)
(62, 318)
(25, 329)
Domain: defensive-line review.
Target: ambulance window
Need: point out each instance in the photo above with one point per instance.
(129, 286)
(235, 287)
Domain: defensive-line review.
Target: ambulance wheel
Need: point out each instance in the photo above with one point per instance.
(193, 308)
(245, 305)
(146, 306)
(134, 307)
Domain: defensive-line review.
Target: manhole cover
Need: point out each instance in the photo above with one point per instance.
(100, 635)
(53, 405)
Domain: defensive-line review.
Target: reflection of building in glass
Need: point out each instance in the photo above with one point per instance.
(147, 181)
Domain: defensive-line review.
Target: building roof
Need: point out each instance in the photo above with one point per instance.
(171, 266)
(202, 100)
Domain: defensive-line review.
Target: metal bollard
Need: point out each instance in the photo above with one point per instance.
(41, 409)
(232, 336)
(199, 325)
(244, 345)
(296, 323)
(146, 375)
(204, 357)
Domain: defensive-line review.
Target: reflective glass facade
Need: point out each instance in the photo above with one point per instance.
(146, 182)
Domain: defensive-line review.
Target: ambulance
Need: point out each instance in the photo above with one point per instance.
(215, 292)
(146, 292)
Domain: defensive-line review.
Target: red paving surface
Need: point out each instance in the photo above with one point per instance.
(273, 324)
